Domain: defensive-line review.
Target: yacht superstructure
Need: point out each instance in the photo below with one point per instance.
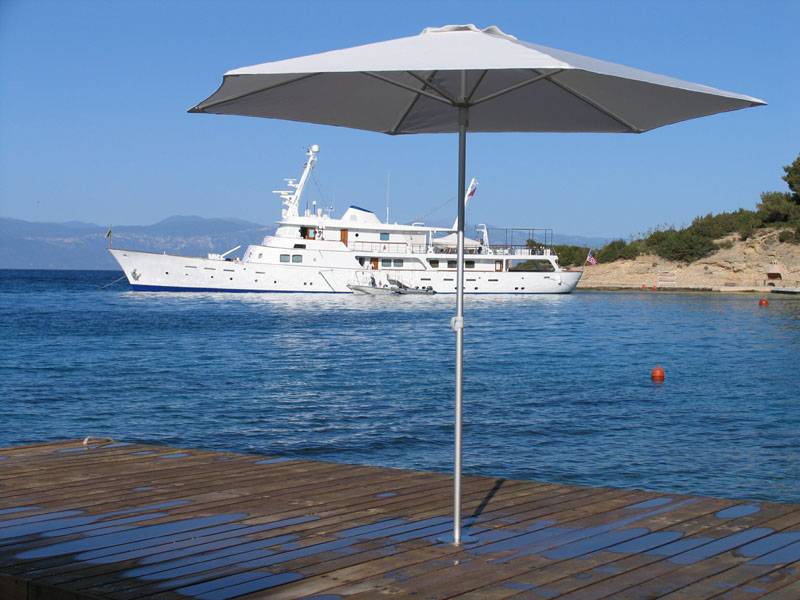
(314, 252)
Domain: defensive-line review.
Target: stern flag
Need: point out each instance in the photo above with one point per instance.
(591, 259)
(473, 187)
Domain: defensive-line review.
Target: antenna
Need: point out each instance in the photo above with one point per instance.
(388, 185)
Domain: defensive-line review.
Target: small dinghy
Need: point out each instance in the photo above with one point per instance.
(401, 288)
(426, 291)
(371, 290)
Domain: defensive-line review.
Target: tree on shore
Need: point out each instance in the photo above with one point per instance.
(792, 178)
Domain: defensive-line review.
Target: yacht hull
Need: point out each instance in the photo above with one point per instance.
(152, 272)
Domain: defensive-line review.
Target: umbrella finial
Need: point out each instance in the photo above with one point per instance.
(491, 30)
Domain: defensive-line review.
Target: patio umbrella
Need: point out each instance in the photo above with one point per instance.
(456, 79)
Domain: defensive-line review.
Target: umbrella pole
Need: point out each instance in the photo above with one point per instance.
(458, 322)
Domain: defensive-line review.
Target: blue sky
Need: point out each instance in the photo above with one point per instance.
(93, 122)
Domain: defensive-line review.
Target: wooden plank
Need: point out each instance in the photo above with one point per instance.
(640, 571)
(135, 522)
(323, 530)
(418, 558)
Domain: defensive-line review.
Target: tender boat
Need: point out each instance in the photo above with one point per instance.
(315, 252)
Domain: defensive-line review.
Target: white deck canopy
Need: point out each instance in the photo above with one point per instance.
(451, 241)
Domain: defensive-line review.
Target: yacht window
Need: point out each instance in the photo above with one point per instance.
(540, 266)
(451, 264)
(300, 246)
(297, 258)
(386, 262)
(384, 237)
(260, 255)
(398, 262)
(469, 264)
(434, 263)
(284, 258)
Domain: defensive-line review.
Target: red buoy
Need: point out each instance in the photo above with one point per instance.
(657, 374)
(763, 302)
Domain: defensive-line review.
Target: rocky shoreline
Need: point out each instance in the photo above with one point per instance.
(760, 263)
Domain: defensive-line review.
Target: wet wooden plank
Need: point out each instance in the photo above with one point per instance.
(137, 521)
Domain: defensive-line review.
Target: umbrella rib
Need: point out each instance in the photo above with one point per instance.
(516, 86)
(477, 84)
(199, 108)
(429, 83)
(597, 106)
(407, 87)
(411, 104)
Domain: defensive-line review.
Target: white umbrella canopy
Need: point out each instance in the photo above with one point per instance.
(459, 78)
(413, 85)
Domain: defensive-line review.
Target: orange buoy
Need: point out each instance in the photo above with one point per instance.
(763, 302)
(657, 374)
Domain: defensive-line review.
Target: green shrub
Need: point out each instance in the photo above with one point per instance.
(790, 236)
(618, 249)
(777, 207)
(569, 255)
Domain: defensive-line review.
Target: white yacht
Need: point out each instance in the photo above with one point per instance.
(314, 252)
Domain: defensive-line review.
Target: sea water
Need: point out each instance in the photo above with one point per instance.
(557, 388)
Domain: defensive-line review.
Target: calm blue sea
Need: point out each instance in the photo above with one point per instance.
(557, 388)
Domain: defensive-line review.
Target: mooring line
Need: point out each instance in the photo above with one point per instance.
(112, 283)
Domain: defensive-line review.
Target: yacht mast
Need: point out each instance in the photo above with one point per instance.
(291, 197)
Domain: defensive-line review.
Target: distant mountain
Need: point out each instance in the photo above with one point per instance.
(76, 245)
(581, 240)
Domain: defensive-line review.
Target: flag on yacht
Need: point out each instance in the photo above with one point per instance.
(591, 259)
(473, 187)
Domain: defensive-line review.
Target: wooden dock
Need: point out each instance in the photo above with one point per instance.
(131, 521)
